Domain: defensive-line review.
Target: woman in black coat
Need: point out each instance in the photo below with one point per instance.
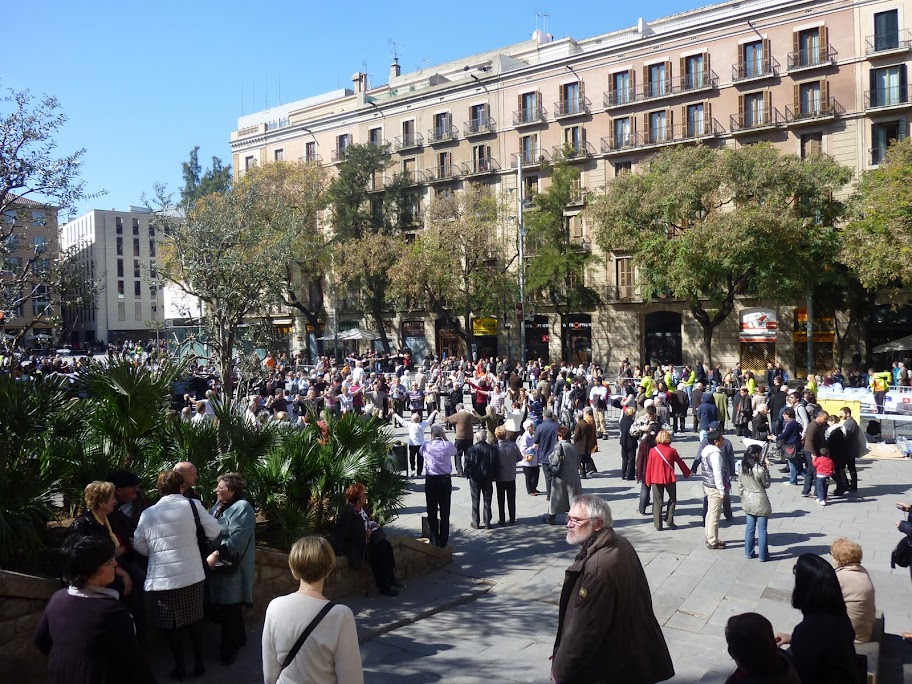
(87, 632)
(628, 445)
(357, 536)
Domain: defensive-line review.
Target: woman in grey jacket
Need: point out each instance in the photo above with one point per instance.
(754, 480)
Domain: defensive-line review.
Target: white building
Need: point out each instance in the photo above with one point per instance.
(118, 251)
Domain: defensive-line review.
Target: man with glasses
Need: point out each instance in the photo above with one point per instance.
(607, 630)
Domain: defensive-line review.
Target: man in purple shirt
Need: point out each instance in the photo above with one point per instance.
(438, 489)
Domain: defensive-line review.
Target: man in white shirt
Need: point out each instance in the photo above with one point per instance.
(598, 400)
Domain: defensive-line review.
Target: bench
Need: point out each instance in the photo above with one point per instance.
(871, 649)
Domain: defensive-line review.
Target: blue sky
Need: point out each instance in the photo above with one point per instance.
(142, 83)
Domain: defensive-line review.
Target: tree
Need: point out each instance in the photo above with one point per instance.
(198, 184)
(457, 266)
(33, 175)
(557, 264)
(230, 249)
(368, 225)
(704, 226)
(877, 240)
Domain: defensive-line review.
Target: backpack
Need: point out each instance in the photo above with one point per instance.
(812, 410)
(902, 554)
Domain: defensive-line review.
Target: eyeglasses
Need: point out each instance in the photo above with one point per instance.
(577, 522)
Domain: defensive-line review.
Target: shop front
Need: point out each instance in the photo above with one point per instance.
(449, 341)
(824, 336)
(663, 338)
(757, 337)
(577, 338)
(413, 337)
(538, 337)
(484, 337)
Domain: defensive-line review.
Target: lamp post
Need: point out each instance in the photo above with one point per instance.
(521, 239)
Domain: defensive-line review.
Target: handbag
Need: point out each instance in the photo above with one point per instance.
(902, 554)
(790, 450)
(306, 633)
(555, 470)
(226, 564)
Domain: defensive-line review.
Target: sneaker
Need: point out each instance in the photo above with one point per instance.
(822, 502)
(473, 525)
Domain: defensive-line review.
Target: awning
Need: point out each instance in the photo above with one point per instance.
(353, 334)
(281, 321)
(902, 344)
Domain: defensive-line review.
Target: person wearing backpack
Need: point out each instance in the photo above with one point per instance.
(482, 461)
(564, 465)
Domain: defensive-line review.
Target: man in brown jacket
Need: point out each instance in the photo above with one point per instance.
(463, 420)
(584, 439)
(607, 630)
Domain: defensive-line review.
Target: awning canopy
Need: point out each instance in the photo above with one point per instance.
(353, 334)
(902, 344)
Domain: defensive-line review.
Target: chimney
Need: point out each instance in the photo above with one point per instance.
(358, 80)
(395, 69)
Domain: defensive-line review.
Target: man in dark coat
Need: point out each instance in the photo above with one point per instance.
(584, 439)
(545, 440)
(607, 630)
(482, 461)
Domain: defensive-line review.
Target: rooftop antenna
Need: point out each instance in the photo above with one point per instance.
(367, 85)
(394, 47)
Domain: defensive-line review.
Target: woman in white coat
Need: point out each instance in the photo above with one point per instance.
(166, 533)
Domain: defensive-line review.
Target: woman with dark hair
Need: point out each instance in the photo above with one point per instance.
(357, 536)
(753, 647)
(790, 438)
(87, 632)
(822, 645)
(233, 563)
(754, 480)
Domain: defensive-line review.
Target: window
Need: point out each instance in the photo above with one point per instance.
(118, 225)
(135, 226)
(621, 87)
(530, 186)
(310, 152)
(695, 72)
(658, 126)
(408, 132)
(40, 244)
(883, 135)
(375, 137)
(624, 276)
(121, 311)
(529, 107)
(278, 155)
(442, 125)
(656, 75)
(886, 30)
(444, 165)
(120, 289)
(573, 139)
(120, 246)
(575, 225)
(136, 247)
(754, 111)
(529, 148)
(249, 163)
(809, 98)
(12, 243)
(753, 59)
(151, 230)
(408, 168)
(342, 142)
(622, 137)
(137, 311)
(696, 120)
(38, 217)
(151, 248)
(889, 86)
(571, 98)
(478, 117)
(137, 288)
(40, 301)
(622, 167)
(154, 315)
(136, 268)
(120, 268)
(810, 47)
(13, 263)
(481, 158)
(811, 144)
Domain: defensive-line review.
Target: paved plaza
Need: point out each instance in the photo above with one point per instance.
(491, 615)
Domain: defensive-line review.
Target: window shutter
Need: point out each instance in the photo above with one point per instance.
(903, 84)
(583, 136)
(582, 92)
(632, 75)
(706, 65)
(538, 103)
(487, 151)
(519, 103)
(797, 98)
(824, 95)
(611, 88)
(669, 125)
(902, 128)
(646, 131)
(684, 123)
(741, 110)
(796, 49)
(683, 71)
(668, 76)
(824, 38)
(768, 106)
(708, 117)
(765, 48)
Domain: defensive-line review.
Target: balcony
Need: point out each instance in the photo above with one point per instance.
(311, 159)
(482, 126)
(378, 142)
(441, 174)
(814, 111)
(670, 87)
(530, 158)
(480, 167)
(530, 116)
(894, 97)
(891, 43)
(573, 152)
(337, 156)
(755, 70)
(408, 141)
(620, 143)
(412, 177)
(443, 134)
(749, 122)
(575, 106)
(696, 130)
(811, 58)
(580, 243)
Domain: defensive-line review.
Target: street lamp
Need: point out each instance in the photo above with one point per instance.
(522, 258)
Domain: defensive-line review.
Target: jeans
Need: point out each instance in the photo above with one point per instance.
(757, 522)
(714, 499)
(506, 490)
(822, 482)
(438, 490)
(793, 471)
(809, 473)
(644, 498)
(531, 473)
(658, 496)
(485, 488)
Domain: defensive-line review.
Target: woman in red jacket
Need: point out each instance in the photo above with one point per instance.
(660, 475)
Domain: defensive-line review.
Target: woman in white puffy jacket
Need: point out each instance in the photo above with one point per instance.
(166, 533)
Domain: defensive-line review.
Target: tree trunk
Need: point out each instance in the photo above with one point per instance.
(470, 335)
(706, 343)
(377, 315)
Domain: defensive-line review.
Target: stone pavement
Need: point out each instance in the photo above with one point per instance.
(491, 615)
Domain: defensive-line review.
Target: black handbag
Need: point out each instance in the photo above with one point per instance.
(902, 554)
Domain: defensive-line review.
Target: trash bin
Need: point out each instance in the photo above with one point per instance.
(399, 456)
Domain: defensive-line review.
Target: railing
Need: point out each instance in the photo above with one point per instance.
(706, 79)
(529, 115)
(580, 150)
(574, 106)
(476, 167)
(888, 42)
(311, 159)
(809, 58)
(408, 140)
(379, 142)
(578, 195)
(894, 96)
(816, 110)
(337, 155)
(413, 177)
(754, 69)
(443, 134)
(481, 126)
(442, 173)
(620, 142)
(530, 158)
(750, 121)
(581, 243)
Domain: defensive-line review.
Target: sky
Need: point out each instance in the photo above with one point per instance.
(143, 83)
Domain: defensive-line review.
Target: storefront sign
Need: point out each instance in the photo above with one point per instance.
(758, 325)
(413, 328)
(484, 327)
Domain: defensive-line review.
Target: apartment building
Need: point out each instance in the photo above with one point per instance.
(33, 245)
(117, 250)
(807, 75)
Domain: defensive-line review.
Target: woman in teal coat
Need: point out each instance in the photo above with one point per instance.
(230, 588)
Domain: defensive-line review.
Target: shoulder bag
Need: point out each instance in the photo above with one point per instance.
(555, 470)
(202, 541)
(306, 633)
(663, 458)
